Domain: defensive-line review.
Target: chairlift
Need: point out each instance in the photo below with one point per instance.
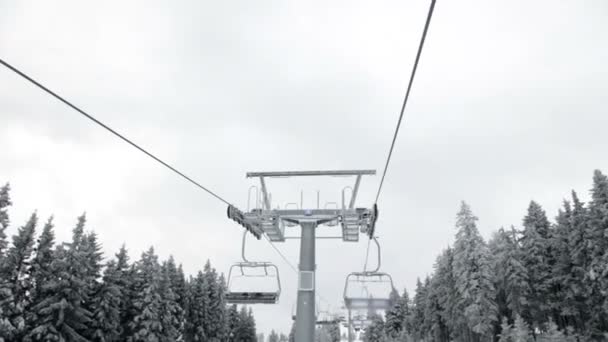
(361, 280)
(243, 270)
(324, 317)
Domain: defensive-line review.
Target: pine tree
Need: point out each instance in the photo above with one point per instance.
(418, 318)
(91, 263)
(5, 202)
(40, 270)
(106, 308)
(375, 331)
(61, 314)
(598, 268)
(215, 315)
(147, 324)
(510, 276)
(127, 286)
(445, 291)
(521, 332)
(178, 286)
(196, 314)
(562, 278)
(232, 315)
(578, 240)
(14, 282)
(245, 331)
(251, 325)
(435, 324)
(516, 275)
(506, 331)
(473, 276)
(537, 260)
(171, 312)
(395, 318)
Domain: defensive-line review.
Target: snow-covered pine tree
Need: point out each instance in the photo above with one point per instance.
(498, 246)
(561, 296)
(40, 271)
(61, 315)
(433, 312)
(552, 334)
(578, 240)
(232, 317)
(506, 331)
(445, 289)
(128, 287)
(537, 260)
(222, 289)
(195, 316)
(395, 319)
(251, 329)
(5, 202)
(510, 276)
(14, 282)
(41, 263)
(406, 307)
(418, 318)
(598, 228)
(215, 314)
(474, 279)
(375, 331)
(516, 275)
(171, 312)
(147, 325)
(521, 332)
(178, 286)
(245, 331)
(106, 309)
(91, 262)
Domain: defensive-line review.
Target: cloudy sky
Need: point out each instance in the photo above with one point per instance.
(508, 106)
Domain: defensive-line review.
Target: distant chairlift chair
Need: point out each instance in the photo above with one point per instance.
(252, 297)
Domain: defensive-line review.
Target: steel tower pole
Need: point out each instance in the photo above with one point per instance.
(305, 314)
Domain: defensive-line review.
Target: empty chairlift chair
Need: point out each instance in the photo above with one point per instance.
(356, 300)
(253, 270)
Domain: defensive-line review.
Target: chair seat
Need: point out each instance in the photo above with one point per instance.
(367, 303)
(251, 297)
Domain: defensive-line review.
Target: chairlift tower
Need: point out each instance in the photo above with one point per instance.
(263, 219)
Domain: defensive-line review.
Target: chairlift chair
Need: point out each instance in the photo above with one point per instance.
(361, 279)
(252, 296)
(326, 318)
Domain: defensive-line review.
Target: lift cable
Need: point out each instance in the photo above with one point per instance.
(407, 95)
(90, 117)
(405, 99)
(293, 268)
(366, 255)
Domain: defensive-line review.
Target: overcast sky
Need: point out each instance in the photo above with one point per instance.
(509, 105)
